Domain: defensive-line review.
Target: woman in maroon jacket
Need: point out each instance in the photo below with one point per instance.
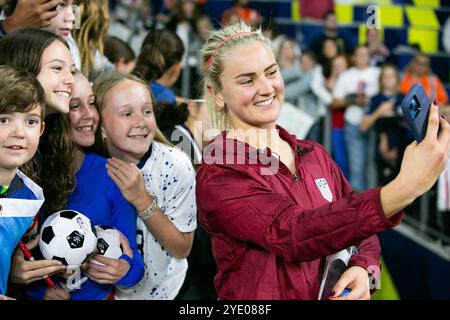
(276, 206)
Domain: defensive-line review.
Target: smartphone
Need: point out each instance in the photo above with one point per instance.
(416, 108)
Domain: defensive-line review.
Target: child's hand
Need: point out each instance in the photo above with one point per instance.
(361, 99)
(386, 109)
(128, 178)
(56, 294)
(26, 272)
(109, 271)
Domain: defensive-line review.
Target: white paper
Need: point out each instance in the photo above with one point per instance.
(335, 266)
(295, 120)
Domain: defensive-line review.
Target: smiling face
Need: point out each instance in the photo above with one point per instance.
(252, 87)
(83, 114)
(19, 137)
(128, 121)
(56, 77)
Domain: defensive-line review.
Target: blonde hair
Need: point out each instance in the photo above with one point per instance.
(101, 87)
(212, 58)
(90, 37)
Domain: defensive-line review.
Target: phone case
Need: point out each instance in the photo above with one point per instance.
(416, 107)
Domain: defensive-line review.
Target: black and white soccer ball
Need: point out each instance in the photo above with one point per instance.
(108, 242)
(68, 236)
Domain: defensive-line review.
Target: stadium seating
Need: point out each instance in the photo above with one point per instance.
(403, 22)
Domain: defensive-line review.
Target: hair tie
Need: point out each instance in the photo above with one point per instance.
(221, 44)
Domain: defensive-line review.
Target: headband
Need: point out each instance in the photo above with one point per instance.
(220, 45)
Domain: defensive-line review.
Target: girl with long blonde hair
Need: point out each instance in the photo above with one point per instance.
(157, 179)
(90, 38)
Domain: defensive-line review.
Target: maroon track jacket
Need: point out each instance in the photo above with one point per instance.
(271, 233)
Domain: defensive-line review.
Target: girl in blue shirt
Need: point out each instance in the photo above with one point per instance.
(386, 117)
(97, 197)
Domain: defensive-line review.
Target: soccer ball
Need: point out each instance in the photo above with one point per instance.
(68, 236)
(108, 242)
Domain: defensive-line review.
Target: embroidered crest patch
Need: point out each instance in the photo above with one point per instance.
(324, 189)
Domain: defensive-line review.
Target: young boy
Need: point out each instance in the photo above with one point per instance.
(22, 108)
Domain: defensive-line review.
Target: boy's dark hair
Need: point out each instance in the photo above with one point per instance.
(20, 91)
(116, 49)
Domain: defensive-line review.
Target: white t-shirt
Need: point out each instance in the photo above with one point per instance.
(168, 175)
(350, 82)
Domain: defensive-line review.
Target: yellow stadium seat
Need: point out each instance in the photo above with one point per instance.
(379, 2)
(295, 10)
(427, 3)
(391, 16)
(344, 13)
(362, 34)
(382, 2)
(426, 38)
(422, 17)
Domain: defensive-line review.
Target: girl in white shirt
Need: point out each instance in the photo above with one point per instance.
(157, 179)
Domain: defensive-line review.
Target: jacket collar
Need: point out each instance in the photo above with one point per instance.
(223, 148)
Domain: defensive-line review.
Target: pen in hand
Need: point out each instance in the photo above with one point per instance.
(29, 257)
